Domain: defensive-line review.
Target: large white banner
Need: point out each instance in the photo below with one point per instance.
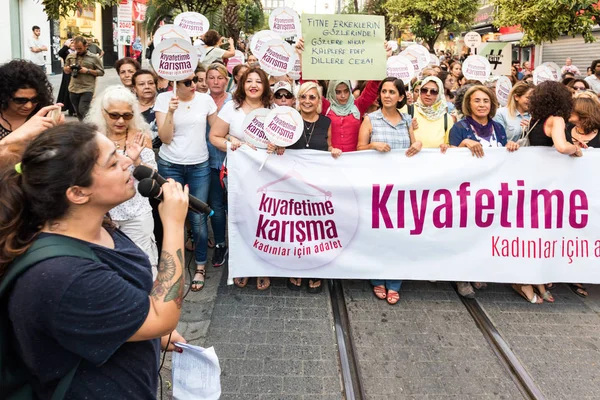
(529, 217)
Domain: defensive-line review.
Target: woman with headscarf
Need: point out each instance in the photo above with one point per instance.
(431, 113)
(346, 112)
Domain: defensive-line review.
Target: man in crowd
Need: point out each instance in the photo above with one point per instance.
(84, 68)
(594, 79)
(37, 48)
(569, 67)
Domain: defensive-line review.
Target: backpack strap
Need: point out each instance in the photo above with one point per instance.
(44, 249)
(411, 110)
(445, 123)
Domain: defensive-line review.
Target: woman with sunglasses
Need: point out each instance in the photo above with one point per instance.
(283, 95)
(25, 102)
(252, 93)
(431, 113)
(184, 155)
(117, 115)
(316, 136)
(384, 130)
(578, 86)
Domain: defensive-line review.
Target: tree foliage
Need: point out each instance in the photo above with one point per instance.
(427, 19)
(544, 20)
(56, 9)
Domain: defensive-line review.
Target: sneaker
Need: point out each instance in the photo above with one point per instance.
(220, 255)
(465, 290)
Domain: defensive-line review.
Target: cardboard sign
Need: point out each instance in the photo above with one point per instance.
(260, 40)
(174, 59)
(170, 32)
(477, 68)
(285, 22)
(283, 126)
(472, 40)
(503, 88)
(499, 54)
(401, 68)
(343, 46)
(541, 74)
(254, 128)
(418, 56)
(278, 57)
(195, 24)
(555, 70)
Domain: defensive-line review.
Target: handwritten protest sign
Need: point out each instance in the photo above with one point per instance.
(174, 59)
(254, 128)
(343, 47)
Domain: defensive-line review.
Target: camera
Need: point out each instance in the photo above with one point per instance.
(75, 70)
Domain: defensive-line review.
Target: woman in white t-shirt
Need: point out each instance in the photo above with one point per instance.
(183, 156)
(212, 41)
(253, 92)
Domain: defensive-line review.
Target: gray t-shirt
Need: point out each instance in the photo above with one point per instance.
(36, 58)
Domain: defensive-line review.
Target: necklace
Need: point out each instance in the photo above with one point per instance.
(118, 146)
(307, 136)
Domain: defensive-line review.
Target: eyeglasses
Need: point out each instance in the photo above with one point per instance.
(188, 82)
(434, 92)
(287, 95)
(21, 101)
(311, 97)
(116, 116)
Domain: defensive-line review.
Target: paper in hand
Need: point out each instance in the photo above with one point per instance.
(196, 373)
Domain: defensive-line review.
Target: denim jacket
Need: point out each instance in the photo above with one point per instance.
(462, 130)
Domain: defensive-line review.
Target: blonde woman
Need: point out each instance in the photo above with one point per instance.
(515, 116)
(117, 115)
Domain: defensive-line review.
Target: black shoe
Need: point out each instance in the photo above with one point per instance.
(220, 255)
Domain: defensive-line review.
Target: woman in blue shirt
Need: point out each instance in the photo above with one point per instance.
(515, 116)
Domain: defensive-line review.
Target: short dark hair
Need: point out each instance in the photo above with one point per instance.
(399, 84)
(199, 68)
(144, 72)
(549, 99)
(211, 37)
(33, 28)
(594, 63)
(127, 60)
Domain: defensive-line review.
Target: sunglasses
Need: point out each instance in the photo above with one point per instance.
(116, 116)
(280, 95)
(434, 92)
(311, 97)
(188, 82)
(579, 88)
(21, 101)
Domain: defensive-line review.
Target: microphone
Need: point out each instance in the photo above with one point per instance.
(151, 188)
(141, 172)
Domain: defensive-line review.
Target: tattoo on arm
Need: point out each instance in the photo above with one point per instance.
(164, 287)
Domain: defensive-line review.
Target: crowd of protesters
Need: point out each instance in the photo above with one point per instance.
(75, 180)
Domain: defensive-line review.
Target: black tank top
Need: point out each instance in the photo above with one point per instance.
(537, 137)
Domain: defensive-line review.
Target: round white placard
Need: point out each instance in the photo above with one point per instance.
(503, 87)
(285, 22)
(417, 55)
(433, 59)
(283, 126)
(477, 68)
(195, 24)
(541, 74)
(472, 40)
(200, 49)
(278, 57)
(393, 45)
(260, 40)
(254, 129)
(170, 32)
(400, 67)
(555, 70)
(233, 62)
(296, 70)
(174, 59)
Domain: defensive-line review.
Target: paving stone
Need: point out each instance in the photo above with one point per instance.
(261, 384)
